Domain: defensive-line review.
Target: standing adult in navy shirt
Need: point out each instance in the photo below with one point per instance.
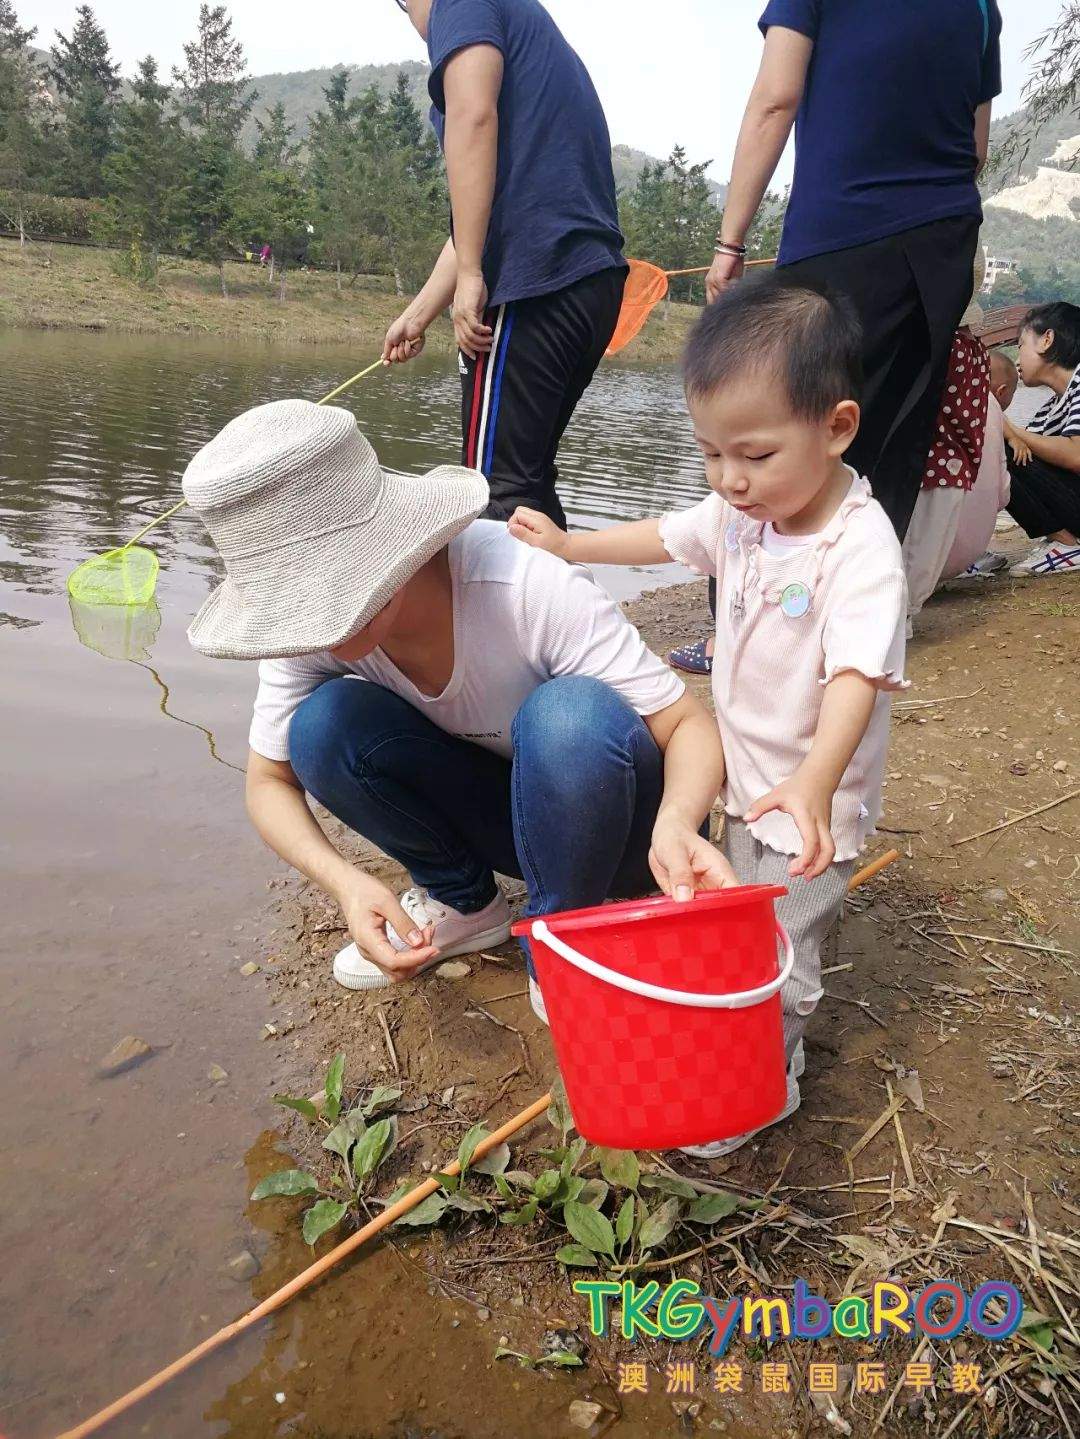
(534, 266)
(891, 104)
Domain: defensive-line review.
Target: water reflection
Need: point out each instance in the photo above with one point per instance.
(98, 429)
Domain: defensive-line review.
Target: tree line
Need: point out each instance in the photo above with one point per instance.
(165, 172)
(159, 167)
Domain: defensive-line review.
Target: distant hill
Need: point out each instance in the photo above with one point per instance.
(1032, 206)
(301, 92)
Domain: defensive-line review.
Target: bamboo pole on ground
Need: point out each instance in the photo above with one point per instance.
(330, 1260)
(302, 1281)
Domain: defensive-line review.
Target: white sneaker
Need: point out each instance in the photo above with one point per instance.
(721, 1147)
(454, 933)
(536, 999)
(991, 563)
(1050, 558)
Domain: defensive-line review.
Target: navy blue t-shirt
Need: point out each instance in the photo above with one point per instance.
(885, 137)
(555, 218)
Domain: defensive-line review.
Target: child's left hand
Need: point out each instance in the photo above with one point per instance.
(682, 862)
(810, 805)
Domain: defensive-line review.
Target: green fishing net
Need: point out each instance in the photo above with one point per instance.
(125, 576)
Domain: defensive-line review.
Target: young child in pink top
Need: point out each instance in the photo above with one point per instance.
(810, 610)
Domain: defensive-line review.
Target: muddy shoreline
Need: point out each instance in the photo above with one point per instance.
(957, 965)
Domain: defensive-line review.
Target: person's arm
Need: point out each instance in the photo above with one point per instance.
(770, 114)
(1060, 450)
(279, 811)
(405, 337)
(807, 796)
(472, 80)
(680, 859)
(982, 135)
(638, 543)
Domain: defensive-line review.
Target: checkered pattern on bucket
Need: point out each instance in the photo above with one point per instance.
(645, 1074)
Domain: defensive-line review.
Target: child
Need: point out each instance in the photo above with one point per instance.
(810, 607)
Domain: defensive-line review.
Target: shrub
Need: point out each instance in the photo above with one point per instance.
(50, 217)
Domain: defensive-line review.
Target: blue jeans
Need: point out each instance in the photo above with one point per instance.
(571, 814)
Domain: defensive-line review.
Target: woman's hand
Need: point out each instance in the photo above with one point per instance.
(810, 806)
(404, 340)
(726, 270)
(369, 906)
(533, 528)
(682, 862)
(470, 301)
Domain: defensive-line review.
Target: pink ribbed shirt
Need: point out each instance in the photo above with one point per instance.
(786, 624)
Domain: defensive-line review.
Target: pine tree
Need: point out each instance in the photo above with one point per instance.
(23, 120)
(145, 175)
(82, 57)
(13, 39)
(274, 146)
(405, 119)
(214, 100)
(215, 96)
(670, 219)
(331, 154)
(279, 203)
(87, 82)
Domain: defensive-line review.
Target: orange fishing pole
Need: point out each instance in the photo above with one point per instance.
(330, 1260)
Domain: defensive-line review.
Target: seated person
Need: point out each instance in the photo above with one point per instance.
(467, 704)
(992, 489)
(966, 482)
(1045, 459)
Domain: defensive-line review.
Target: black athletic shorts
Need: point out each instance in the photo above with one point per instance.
(517, 400)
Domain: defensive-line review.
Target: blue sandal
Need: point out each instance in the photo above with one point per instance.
(694, 659)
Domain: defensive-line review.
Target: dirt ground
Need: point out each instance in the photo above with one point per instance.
(951, 999)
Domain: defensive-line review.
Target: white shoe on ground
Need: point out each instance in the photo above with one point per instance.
(536, 999)
(454, 933)
(1049, 557)
(721, 1147)
(991, 563)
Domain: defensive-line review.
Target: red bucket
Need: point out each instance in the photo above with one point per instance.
(666, 1017)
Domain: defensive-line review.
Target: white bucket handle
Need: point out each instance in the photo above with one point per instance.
(742, 1000)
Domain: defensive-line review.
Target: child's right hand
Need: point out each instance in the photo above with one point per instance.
(533, 528)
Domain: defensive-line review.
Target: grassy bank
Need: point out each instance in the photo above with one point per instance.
(71, 287)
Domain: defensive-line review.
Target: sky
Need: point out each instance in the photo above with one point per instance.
(668, 71)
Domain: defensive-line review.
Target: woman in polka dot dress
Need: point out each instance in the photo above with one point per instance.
(951, 468)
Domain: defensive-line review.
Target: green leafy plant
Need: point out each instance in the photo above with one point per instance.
(614, 1215)
(360, 1140)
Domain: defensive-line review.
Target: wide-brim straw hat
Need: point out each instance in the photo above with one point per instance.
(316, 536)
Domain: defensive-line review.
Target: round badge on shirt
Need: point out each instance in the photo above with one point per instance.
(795, 600)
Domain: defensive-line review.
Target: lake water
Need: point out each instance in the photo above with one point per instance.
(133, 890)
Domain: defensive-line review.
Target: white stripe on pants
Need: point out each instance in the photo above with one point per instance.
(808, 911)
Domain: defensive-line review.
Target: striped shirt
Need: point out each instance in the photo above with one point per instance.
(1061, 413)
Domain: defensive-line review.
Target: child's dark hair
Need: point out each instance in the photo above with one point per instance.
(1064, 320)
(805, 334)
